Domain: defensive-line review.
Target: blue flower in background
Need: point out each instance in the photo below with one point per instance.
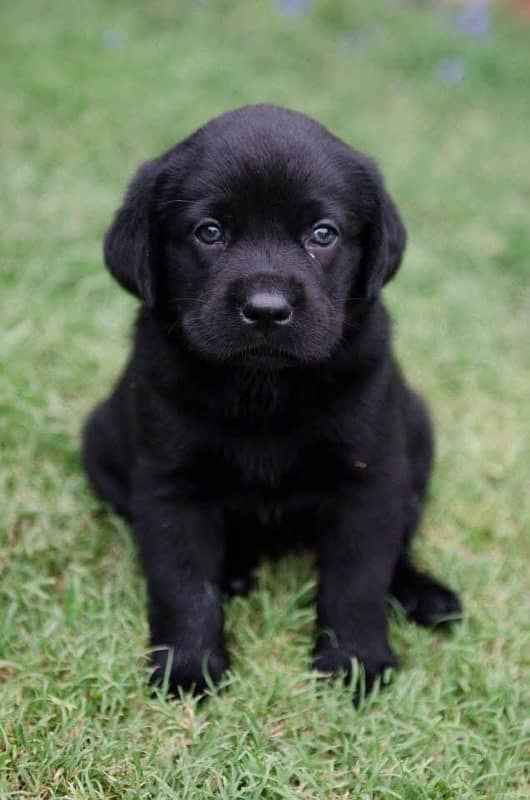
(451, 71)
(474, 20)
(362, 38)
(294, 8)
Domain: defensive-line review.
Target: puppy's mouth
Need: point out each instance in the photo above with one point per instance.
(265, 358)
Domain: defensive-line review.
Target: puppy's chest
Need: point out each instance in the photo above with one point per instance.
(267, 467)
(260, 461)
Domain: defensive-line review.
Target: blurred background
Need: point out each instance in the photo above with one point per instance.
(438, 93)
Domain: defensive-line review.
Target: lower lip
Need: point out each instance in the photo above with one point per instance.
(265, 359)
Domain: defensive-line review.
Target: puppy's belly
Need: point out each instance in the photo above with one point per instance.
(270, 507)
(269, 497)
(262, 527)
(269, 481)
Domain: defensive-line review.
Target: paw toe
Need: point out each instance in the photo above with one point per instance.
(338, 662)
(184, 671)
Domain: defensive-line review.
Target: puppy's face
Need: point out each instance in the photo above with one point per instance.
(257, 238)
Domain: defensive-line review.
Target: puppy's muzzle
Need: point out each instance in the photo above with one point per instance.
(266, 310)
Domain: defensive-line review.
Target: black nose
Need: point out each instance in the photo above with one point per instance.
(266, 309)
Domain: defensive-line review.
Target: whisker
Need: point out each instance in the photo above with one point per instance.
(197, 300)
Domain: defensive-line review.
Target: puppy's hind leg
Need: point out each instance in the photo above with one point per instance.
(424, 599)
(106, 456)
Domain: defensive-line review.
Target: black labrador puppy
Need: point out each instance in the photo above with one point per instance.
(262, 406)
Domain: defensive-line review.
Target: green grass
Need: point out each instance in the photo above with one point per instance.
(76, 718)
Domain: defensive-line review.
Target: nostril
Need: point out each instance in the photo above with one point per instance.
(267, 308)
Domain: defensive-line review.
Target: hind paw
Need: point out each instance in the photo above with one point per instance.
(425, 600)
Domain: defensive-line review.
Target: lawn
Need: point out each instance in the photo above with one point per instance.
(88, 90)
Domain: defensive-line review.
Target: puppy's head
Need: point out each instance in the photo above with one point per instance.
(257, 238)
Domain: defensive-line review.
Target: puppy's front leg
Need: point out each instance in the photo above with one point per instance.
(358, 549)
(181, 548)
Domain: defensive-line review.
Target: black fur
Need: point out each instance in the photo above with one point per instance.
(227, 438)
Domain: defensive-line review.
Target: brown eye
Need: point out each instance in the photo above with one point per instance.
(323, 235)
(209, 233)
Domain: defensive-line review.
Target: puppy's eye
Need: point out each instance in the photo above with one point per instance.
(323, 235)
(209, 233)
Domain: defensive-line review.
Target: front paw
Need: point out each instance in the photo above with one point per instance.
(336, 659)
(183, 669)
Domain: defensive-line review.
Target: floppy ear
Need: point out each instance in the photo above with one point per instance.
(127, 247)
(385, 240)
